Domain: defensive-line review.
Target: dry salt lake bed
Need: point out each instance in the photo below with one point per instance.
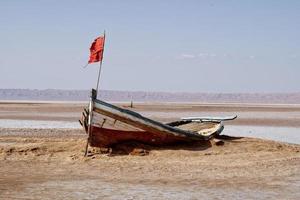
(41, 156)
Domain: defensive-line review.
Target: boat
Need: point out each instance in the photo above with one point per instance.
(107, 125)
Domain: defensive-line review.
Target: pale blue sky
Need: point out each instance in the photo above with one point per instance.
(187, 46)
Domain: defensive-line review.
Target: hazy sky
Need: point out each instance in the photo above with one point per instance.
(191, 46)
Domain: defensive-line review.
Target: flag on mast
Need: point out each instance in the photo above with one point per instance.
(96, 50)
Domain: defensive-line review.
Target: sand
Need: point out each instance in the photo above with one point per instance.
(49, 163)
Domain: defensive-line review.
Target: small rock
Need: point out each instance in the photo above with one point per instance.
(218, 142)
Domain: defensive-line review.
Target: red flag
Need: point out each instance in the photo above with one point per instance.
(96, 50)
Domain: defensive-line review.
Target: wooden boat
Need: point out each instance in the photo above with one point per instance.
(107, 124)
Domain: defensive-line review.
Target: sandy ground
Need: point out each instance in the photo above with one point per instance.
(49, 163)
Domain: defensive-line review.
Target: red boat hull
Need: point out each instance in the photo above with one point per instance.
(103, 137)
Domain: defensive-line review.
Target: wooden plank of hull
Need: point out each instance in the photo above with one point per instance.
(210, 119)
(103, 137)
(203, 128)
(103, 121)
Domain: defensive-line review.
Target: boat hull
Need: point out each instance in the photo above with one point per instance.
(103, 137)
(107, 125)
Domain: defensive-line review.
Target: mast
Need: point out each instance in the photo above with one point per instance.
(100, 67)
(93, 96)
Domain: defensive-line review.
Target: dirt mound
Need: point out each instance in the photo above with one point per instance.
(16, 148)
(20, 148)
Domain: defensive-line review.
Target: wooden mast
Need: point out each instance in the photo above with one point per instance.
(93, 96)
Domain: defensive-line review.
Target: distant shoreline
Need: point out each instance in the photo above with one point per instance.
(29, 95)
(287, 105)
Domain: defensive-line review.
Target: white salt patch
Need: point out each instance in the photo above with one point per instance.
(9, 123)
(281, 134)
